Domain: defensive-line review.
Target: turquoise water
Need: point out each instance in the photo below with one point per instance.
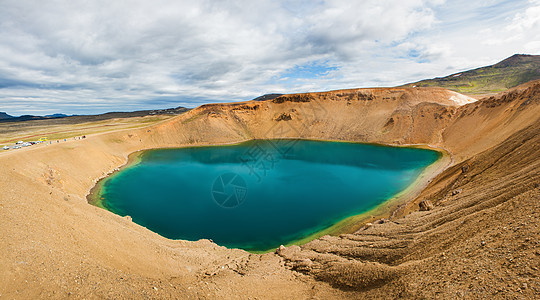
(259, 194)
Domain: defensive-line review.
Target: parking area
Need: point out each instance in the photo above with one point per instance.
(43, 140)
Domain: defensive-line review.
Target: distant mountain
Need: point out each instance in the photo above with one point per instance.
(62, 118)
(26, 118)
(511, 72)
(267, 97)
(29, 117)
(4, 116)
(56, 116)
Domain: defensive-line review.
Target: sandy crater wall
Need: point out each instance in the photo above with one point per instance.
(54, 243)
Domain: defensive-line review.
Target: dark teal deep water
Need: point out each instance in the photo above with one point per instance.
(259, 194)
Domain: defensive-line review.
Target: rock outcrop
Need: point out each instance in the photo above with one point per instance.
(425, 205)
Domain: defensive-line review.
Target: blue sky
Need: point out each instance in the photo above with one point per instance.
(83, 57)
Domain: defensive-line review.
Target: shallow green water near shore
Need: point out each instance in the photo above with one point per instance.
(259, 194)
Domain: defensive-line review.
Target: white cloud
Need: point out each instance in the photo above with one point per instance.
(524, 28)
(96, 56)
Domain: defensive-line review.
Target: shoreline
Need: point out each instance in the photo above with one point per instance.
(386, 209)
(348, 225)
(93, 196)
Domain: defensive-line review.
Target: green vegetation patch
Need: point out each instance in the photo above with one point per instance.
(509, 73)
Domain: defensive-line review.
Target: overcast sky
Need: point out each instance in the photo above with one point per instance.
(81, 57)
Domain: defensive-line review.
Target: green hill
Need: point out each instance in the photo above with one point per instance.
(506, 74)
